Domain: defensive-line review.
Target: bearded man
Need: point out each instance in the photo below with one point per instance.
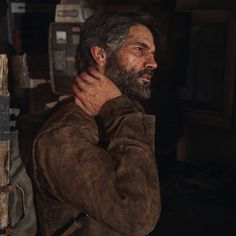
(94, 164)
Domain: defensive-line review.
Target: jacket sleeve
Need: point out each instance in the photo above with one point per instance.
(117, 185)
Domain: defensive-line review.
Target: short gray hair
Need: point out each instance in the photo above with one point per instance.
(108, 31)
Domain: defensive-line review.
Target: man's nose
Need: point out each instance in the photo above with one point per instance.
(150, 62)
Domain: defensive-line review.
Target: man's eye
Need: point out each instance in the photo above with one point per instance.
(139, 48)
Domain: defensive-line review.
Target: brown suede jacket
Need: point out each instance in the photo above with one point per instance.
(102, 166)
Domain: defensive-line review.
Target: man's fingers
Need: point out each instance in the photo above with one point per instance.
(83, 85)
(96, 74)
(83, 82)
(79, 96)
(81, 100)
(86, 77)
(92, 89)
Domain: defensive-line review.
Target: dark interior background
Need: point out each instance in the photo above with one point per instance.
(194, 99)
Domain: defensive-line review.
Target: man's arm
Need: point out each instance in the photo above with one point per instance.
(117, 186)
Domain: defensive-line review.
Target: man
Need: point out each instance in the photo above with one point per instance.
(94, 159)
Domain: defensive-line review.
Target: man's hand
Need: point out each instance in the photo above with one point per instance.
(92, 90)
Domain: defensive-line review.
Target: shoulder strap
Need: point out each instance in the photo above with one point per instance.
(76, 224)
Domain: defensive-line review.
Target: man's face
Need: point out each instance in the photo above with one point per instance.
(131, 66)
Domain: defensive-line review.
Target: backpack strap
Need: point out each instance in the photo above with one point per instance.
(76, 224)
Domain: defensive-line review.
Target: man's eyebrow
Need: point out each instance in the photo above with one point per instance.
(144, 45)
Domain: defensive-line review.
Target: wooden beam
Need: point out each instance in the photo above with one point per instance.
(4, 141)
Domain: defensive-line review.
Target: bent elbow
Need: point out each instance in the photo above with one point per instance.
(145, 221)
(149, 220)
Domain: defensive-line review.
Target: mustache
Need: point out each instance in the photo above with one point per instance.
(144, 72)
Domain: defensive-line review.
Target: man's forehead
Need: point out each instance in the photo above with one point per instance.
(140, 29)
(141, 34)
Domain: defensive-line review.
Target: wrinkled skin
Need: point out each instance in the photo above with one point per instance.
(92, 89)
(90, 95)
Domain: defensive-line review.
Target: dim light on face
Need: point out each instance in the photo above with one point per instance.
(137, 52)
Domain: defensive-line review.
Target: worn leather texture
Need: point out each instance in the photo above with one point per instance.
(102, 166)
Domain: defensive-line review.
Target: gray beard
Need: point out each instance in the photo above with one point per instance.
(127, 81)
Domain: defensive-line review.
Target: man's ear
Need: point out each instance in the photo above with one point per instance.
(99, 56)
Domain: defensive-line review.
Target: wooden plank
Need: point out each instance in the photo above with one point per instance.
(4, 140)
(3, 75)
